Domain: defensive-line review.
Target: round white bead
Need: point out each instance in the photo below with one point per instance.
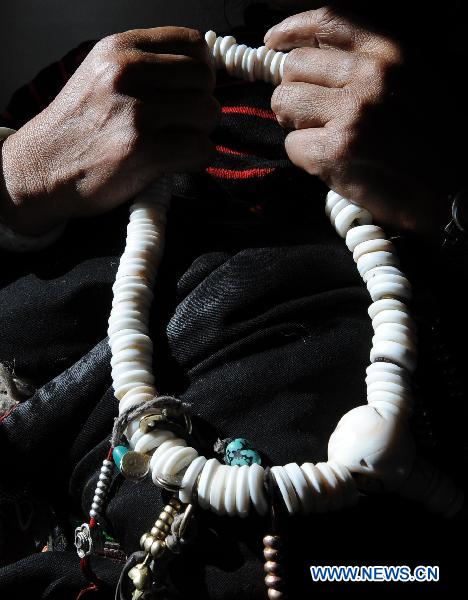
(349, 216)
(301, 486)
(376, 259)
(401, 354)
(189, 479)
(363, 233)
(257, 488)
(242, 491)
(206, 479)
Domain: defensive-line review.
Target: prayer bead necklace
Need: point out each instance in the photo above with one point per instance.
(371, 443)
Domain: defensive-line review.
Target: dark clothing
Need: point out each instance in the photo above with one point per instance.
(260, 322)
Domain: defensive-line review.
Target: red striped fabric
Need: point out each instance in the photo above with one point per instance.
(226, 150)
(249, 110)
(239, 173)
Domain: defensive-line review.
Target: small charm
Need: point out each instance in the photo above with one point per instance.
(134, 465)
(141, 578)
(118, 453)
(87, 540)
(239, 452)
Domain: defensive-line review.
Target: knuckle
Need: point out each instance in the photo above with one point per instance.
(294, 60)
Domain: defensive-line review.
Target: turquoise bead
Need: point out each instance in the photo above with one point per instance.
(239, 452)
(118, 453)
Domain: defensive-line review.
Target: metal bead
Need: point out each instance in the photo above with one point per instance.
(273, 541)
(175, 503)
(93, 514)
(162, 526)
(273, 581)
(107, 463)
(157, 548)
(170, 509)
(275, 594)
(271, 554)
(97, 500)
(102, 485)
(158, 534)
(140, 576)
(272, 567)
(106, 471)
(143, 539)
(103, 477)
(148, 543)
(100, 492)
(166, 517)
(95, 506)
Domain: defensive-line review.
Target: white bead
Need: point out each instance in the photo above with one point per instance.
(372, 246)
(163, 448)
(230, 494)
(257, 489)
(94, 514)
(108, 463)
(376, 259)
(402, 401)
(348, 486)
(206, 479)
(153, 439)
(393, 316)
(217, 490)
(103, 477)
(210, 38)
(375, 445)
(332, 199)
(102, 485)
(178, 459)
(388, 386)
(382, 270)
(393, 332)
(386, 376)
(334, 493)
(301, 486)
(383, 367)
(95, 506)
(349, 216)
(189, 479)
(337, 208)
(401, 354)
(242, 491)
(363, 233)
(389, 285)
(385, 304)
(100, 492)
(316, 485)
(287, 489)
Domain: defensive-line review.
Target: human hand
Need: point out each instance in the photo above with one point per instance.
(139, 105)
(363, 118)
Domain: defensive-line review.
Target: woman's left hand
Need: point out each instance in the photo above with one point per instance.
(359, 119)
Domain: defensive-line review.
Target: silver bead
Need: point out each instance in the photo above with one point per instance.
(103, 477)
(271, 554)
(107, 463)
(95, 506)
(272, 567)
(157, 548)
(143, 539)
(148, 543)
(97, 500)
(273, 581)
(273, 541)
(102, 485)
(100, 492)
(274, 594)
(93, 514)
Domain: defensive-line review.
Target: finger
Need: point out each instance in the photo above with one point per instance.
(325, 67)
(325, 28)
(175, 151)
(317, 151)
(303, 105)
(143, 72)
(163, 40)
(191, 110)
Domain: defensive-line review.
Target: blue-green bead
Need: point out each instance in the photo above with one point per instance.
(239, 452)
(118, 453)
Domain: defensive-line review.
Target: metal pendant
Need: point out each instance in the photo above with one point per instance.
(135, 465)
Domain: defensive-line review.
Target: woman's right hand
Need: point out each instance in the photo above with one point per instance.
(139, 105)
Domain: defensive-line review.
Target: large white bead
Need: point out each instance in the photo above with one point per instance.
(332, 199)
(189, 479)
(382, 270)
(217, 490)
(401, 354)
(257, 488)
(376, 446)
(363, 233)
(231, 487)
(242, 491)
(287, 490)
(301, 486)
(206, 479)
(385, 304)
(153, 439)
(178, 459)
(393, 316)
(389, 285)
(349, 216)
(376, 259)
(377, 245)
(317, 486)
(393, 332)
